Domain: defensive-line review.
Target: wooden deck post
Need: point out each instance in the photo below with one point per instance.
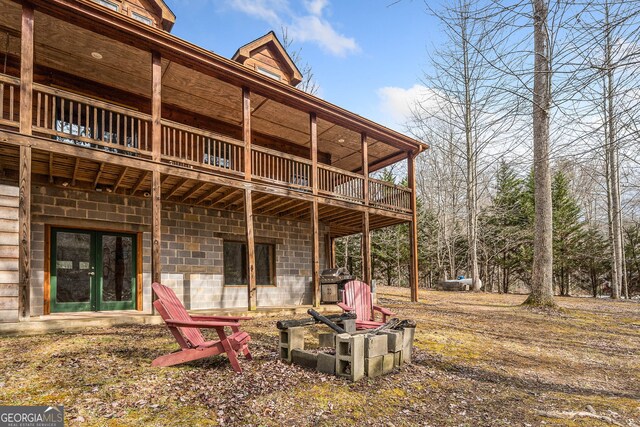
(328, 253)
(156, 106)
(332, 252)
(365, 167)
(315, 245)
(413, 229)
(315, 226)
(246, 131)
(156, 234)
(251, 253)
(366, 249)
(156, 183)
(24, 221)
(252, 291)
(26, 122)
(26, 70)
(366, 240)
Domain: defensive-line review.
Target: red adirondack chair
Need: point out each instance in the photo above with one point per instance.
(356, 297)
(186, 330)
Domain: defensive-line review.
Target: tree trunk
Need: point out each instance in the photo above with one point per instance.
(472, 218)
(613, 172)
(541, 280)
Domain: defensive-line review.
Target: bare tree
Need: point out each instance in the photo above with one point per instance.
(308, 83)
(440, 187)
(542, 276)
(610, 48)
(467, 97)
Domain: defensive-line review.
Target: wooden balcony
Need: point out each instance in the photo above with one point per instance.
(69, 118)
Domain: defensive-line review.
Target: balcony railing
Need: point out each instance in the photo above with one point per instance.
(280, 168)
(9, 100)
(386, 195)
(191, 147)
(76, 119)
(85, 121)
(340, 184)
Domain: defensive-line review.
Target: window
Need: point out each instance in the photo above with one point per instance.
(235, 264)
(141, 18)
(269, 73)
(106, 3)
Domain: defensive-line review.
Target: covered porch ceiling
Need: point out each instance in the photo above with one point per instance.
(73, 51)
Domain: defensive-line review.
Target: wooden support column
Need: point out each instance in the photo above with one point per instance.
(315, 225)
(365, 167)
(315, 236)
(252, 291)
(26, 122)
(366, 240)
(156, 182)
(156, 106)
(156, 233)
(251, 253)
(328, 250)
(366, 249)
(246, 131)
(332, 263)
(26, 70)
(24, 221)
(413, 229)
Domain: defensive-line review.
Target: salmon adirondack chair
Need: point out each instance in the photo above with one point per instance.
(186, 330)
(356, 297)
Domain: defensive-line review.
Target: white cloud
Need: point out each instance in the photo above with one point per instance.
(315, 29)
(315, 7)
(267, 10)
(304, 27)
(398, 102)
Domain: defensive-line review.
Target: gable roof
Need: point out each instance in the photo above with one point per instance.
(270, 40)
(168, 17)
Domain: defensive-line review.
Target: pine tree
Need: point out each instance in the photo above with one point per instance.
(632, 254)
(591, 260)
(507, 223)
(568, 231)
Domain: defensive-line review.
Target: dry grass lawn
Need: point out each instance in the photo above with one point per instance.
(480, 360)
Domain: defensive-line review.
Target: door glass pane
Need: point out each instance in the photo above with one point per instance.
(117, 268)
(73, 265)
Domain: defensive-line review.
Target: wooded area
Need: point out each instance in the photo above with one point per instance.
(487, 106)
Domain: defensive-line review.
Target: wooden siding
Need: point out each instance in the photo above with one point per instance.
(9, 253)
(264, 58)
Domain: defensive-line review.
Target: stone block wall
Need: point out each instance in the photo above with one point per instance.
(191, 249)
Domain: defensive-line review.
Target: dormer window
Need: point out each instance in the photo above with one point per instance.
(106, 3)
(269, 73)
(141, 18)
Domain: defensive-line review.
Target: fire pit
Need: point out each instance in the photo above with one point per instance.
(346, 352)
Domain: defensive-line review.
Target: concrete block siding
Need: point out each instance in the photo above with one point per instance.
(192, 246)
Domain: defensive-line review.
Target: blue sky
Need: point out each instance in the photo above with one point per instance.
(367, 55)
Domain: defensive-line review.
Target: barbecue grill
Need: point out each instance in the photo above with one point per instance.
(332, 281)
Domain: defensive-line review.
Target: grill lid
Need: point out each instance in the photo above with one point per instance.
(335, 275)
